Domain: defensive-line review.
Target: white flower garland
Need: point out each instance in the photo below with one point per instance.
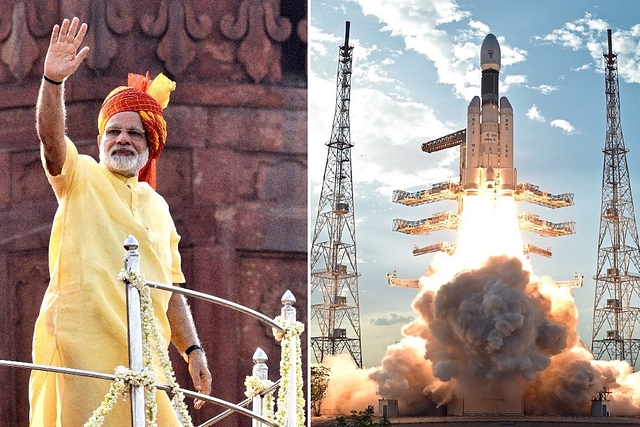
(290, 337)
(150, 335)
(267, 409)
(255, 385)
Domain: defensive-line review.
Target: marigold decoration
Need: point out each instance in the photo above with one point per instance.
(124, 376)
(290, 337)
(147, 97)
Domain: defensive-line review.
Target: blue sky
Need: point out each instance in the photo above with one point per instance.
(416, 67)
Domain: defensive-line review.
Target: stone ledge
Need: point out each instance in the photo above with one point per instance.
(186, 93)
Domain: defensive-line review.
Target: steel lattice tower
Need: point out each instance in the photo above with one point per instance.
(334, 269)
(617, 283)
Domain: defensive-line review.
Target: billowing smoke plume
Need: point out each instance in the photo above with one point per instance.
(349, 388)
(489, 324)
(499, 329)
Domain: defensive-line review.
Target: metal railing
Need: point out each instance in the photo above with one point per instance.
(260, 369)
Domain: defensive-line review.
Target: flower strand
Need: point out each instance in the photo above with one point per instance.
(290, 337)
(151, 336)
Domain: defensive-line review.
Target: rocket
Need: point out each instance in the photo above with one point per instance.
(486, 168)
(488, 163)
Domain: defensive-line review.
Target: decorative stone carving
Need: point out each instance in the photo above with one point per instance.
(41, 15)
(179, 24)
(102, 17)
(5, 19)
(20, 51)
(303, 30)
(259, 26)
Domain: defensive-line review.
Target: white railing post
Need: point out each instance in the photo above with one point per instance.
(288, 313)
(134, 322)
(260, 370)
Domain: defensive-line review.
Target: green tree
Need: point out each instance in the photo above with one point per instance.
(358, 419)
(319, 384)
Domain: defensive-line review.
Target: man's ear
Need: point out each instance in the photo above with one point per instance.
(99, 139)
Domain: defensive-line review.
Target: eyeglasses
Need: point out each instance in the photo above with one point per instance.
(135, 133)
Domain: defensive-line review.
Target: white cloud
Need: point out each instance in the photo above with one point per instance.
(583, 67)
(510, 55)
(590, 34)
(545, 89)
(578, 33)
(564, 37)
(512, 80)
(391, 319)
(318, 39)
(455, 55)
(515, 79)
(365, 67)
(534, 114)
(479, 27)
(566, 127)
(384, 130)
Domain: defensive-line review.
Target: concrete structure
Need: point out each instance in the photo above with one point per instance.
(483, 403)
(388, 408)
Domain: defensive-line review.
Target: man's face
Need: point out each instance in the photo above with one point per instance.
(123, 144)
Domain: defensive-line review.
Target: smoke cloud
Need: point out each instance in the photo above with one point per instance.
(488, 336)
(489, 324)
(349, 388)
(500, 329)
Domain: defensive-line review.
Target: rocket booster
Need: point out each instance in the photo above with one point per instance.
(489, 144)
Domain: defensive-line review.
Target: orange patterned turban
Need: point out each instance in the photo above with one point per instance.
(148, 98)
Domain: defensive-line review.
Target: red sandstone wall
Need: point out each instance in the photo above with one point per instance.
(233, 171)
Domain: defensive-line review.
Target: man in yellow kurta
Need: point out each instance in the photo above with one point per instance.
(82, 321)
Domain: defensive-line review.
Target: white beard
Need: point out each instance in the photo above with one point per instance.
(124, 165)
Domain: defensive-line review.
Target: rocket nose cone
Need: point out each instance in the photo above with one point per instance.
(490, 53)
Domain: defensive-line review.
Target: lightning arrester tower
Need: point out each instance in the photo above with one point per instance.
(617, 283)
(334, 269)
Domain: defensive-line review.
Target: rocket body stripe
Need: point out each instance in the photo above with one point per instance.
(507, 174)
(473, 144)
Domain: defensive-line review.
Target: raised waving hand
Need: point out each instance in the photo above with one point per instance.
(63, 57)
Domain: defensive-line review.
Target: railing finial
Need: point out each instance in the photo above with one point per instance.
(260, 368)
(288, 311)
(132, 256)
(130, 243)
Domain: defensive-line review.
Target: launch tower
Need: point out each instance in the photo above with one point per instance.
(334, 269)
(615, 313)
